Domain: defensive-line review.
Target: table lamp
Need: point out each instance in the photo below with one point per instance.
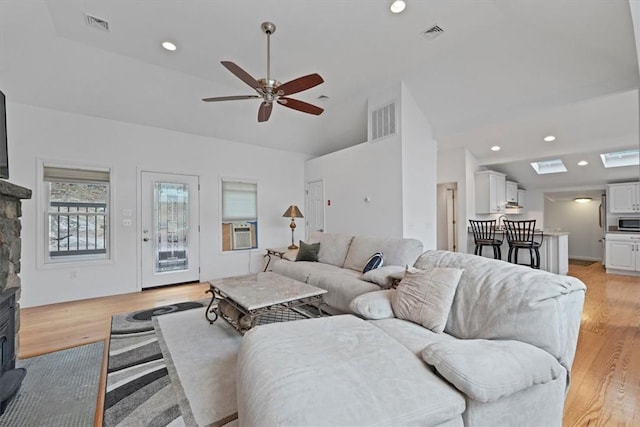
(292, 212)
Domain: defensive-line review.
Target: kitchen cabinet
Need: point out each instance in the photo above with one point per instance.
(490, 192)
(623, 253)
(624, 198)
(512, 192)
(522, 194)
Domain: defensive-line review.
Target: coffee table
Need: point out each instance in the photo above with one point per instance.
(243, 300)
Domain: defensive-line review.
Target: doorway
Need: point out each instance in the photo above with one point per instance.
(170, 229)
(315, 206)
(447, 237)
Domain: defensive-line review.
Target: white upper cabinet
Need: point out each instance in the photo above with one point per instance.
(512, 192)
(490, 192)
(624, 198)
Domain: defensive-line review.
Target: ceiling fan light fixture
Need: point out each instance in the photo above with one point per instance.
(397, 6)
(170, 46)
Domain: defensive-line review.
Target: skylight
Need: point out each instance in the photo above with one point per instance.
(620, 158)
(548, 166)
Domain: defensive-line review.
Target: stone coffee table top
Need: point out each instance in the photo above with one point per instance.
(255, 291)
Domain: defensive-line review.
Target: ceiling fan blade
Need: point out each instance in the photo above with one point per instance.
(264, 112)
(241, 74)
(230, 98)
(300, 106)
(300, 84)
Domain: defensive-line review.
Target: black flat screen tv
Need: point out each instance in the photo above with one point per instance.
(4, 154)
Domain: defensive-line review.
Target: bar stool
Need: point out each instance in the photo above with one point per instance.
(484, 234)
(520, 235)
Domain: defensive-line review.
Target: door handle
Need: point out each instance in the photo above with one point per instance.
(146, 239)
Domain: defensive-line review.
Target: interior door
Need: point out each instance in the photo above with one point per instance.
(315, 206)
(170, 229)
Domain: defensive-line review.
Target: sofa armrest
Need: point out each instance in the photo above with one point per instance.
(486, 370)
(374, 305)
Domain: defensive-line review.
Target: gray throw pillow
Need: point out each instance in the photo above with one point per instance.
(425, 296)
(308, 252)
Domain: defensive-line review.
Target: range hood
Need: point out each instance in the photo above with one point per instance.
(513, 209)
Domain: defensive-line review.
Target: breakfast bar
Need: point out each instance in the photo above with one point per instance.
(554, 252)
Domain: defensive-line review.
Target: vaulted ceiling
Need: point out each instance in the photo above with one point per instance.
(503, 72)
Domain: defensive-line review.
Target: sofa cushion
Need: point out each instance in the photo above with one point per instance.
(301, 270)
(361, 377)
(308, 252)
(488, 370)
(384, 276)
(409, 334)
(499, 300)
(397, 251)
(425, 296)
(342, 286)
(373, 305)
(333, 247)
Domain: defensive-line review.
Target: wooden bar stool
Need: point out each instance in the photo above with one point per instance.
(520, 235)
(484, 234)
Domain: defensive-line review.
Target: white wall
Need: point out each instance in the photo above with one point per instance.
(459, 166)
(35, 134)
(581, 221)
(397, 175)
(419, 166)
(353, 174)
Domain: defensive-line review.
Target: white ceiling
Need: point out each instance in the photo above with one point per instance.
(504, 72)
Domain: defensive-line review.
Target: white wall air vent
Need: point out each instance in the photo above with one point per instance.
(383, 122)
(433, 32)
(94, 22)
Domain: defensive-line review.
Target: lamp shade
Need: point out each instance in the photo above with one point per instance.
(293, 212)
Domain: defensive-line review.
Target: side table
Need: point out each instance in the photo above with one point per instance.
(271, 252)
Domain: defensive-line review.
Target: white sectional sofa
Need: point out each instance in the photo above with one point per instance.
(341, 260)
(503, 359)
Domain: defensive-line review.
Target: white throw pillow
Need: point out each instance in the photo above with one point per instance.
(425, 296)
(373, 305)
(382, 276)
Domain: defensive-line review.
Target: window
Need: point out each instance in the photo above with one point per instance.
(239, 215)
(78, 213)
(549, 166)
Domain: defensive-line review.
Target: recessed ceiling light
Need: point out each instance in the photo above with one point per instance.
(397, 6)
(495, 148)
(583, 163)
(549, 138)
(169, 46)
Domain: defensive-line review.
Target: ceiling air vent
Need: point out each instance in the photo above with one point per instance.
(383, 122)
(433, 32)
(94, 22)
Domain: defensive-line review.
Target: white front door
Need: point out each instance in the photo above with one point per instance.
(315, 206)
(170, 229)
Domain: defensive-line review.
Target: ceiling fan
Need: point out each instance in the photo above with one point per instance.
(272, 90)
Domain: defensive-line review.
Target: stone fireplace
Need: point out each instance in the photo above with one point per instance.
(10, 247)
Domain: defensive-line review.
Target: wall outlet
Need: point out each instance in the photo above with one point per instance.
(126, 222)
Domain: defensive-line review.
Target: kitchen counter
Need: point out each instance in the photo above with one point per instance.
(554, 252)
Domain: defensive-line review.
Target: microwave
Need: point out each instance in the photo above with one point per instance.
(629, 224)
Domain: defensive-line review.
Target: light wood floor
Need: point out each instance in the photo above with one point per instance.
(605, 388)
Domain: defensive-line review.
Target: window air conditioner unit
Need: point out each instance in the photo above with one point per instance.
(241, 234)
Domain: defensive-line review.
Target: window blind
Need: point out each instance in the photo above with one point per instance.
(239, 201)
(52, 173)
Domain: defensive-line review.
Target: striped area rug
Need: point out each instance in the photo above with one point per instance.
(139, 391)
